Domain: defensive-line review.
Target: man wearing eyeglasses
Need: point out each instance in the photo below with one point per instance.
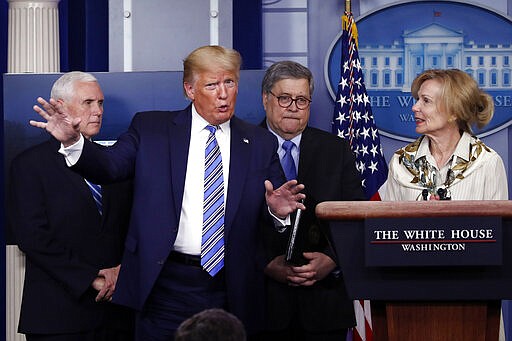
(306, 296)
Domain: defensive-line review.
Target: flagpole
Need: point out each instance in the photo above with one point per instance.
(352, 102)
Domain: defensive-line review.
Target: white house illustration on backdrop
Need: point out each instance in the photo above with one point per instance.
(434, 46)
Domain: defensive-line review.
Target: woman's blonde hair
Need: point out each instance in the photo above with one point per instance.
(460, 97)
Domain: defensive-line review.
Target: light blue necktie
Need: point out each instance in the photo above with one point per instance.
(287, 161)
(212, 241)
(96, 194)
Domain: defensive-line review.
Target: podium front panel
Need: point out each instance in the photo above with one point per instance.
(422, 282)
(433, 241)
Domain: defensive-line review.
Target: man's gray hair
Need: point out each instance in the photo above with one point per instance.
(286, 69)
(63, 87)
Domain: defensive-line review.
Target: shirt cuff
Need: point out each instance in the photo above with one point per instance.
(72, 153)
(336, 273)
(280, 224)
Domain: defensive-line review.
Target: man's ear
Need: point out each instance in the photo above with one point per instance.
(264, 98)
(62, 103)
(189, 90)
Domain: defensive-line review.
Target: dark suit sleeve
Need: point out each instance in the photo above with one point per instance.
(28, 217)
(105, 165)
(350, 177)
(351, 190)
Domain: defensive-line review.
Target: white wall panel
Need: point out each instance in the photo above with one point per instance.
(288, 34)
(164, 32)
(272, 59)
(285, 3)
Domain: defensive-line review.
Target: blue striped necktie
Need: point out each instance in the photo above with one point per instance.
(96, 194)
(287, 161)
(212, 241)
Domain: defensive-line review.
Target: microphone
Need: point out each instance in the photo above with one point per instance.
(424, 194)
(442, 192)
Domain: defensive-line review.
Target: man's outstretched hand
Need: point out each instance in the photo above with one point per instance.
(59, 122)
(286, 199)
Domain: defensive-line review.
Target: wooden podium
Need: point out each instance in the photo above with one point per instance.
(423, 303)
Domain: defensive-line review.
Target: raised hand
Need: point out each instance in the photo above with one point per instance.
(286, 199)
(62, 125)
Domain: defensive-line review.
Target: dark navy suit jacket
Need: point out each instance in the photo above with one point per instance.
(154, 152)
(55, 222)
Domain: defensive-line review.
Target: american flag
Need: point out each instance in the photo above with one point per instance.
(353, 120)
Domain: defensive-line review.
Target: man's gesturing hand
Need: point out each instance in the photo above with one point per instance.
(59, 122)
(286, 199)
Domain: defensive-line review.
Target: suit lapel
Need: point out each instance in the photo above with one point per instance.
(307, 152)
(78, 186)
(239, 162)
(179, 142)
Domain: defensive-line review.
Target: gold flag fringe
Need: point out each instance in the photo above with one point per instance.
(346, 24)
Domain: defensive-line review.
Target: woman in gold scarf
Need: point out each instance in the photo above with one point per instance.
(447, 161)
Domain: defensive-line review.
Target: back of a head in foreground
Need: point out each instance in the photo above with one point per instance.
(211, 325)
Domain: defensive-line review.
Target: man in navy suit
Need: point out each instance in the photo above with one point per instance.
(306, 295)
(164, 152)
(73, 245)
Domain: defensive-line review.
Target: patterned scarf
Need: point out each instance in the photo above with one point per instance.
(423, 172)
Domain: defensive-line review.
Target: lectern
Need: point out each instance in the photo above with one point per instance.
(433, 270)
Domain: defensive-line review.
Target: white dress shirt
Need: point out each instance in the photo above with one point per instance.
(191, 219)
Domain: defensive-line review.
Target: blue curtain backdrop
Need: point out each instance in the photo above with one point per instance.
(247, 33)
(83, 35)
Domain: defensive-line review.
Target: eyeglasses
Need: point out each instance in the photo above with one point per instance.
(285, 101)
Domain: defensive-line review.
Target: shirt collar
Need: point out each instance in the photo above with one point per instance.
(199, 123)
(295, 139)
(462, 149)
